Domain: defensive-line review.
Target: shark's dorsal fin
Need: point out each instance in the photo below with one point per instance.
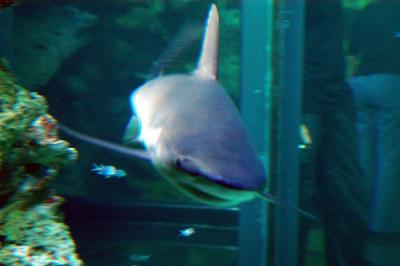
(208, 62)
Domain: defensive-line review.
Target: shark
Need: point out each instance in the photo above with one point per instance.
(193, 133)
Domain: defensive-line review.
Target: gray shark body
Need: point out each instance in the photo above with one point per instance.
(194, 133)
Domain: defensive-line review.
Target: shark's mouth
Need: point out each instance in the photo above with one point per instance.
(201, 188)
(212, 193)
(203, 196)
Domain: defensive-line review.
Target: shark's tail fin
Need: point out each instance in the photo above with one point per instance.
(188, 33)
(271, 198)
(141, 154)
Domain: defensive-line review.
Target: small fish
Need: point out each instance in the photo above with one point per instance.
(396, 34)
(305, 137)
(108, 171)
(139, 258)
(187, 232)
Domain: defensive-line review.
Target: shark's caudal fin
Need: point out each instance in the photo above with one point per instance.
(208, 62)
(141, 154)
(268, 197)
(188, 33)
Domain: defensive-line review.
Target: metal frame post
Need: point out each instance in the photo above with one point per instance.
(287, 88)
(255, 79)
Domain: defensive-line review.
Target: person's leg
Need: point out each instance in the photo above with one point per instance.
(385, 95)
(384, 216)
(365, 122)
(384, 219)
(342, 191)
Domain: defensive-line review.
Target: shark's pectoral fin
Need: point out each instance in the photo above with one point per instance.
(131, 135)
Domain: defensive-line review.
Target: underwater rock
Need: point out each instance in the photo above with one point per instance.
(45, 38)
(31, 231)
(35, 236)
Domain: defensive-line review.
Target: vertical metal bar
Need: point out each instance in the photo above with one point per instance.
(256, 27)
(289, 79)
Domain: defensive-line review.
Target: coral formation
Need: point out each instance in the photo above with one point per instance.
(45, 38)
(36, 237)
(31, 154)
